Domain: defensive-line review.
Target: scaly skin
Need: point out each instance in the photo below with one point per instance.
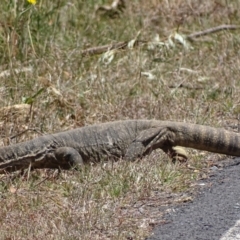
(130, 139)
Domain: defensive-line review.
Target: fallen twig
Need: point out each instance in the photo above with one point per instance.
(212, 30)
(123, 45)
(108, 47)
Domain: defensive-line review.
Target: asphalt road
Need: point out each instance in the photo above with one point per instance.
(213, 215)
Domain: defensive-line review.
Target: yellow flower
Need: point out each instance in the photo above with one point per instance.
(32, 1)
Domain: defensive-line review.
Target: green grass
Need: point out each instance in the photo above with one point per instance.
(41, 66)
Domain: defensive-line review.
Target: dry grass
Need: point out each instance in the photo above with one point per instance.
(41, 65)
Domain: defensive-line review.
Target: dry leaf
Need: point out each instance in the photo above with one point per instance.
(12, 189)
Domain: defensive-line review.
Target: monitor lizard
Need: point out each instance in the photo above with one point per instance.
(128, 139)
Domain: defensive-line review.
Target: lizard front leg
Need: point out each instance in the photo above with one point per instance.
(63, 158)
(135, 150)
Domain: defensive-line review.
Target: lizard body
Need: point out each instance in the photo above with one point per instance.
(129, 139)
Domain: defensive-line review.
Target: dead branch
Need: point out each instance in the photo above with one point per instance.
(212, 30)
(108, 47)
(124, 45)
